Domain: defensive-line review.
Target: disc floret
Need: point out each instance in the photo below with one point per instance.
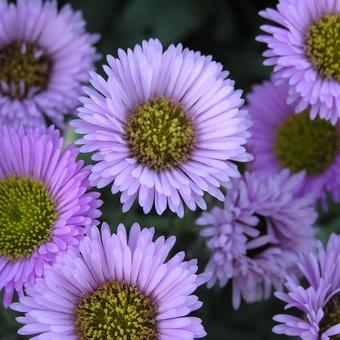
(305, 144)
(323, 45)
(27, 214)
(160, 134)
(116, 311)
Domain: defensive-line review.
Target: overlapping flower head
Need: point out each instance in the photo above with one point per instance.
(44, 203)
(304, 48)
(254, 240)
(280, 139)
(164, 127)
(117, 286)
(318, 303)
(45, 56)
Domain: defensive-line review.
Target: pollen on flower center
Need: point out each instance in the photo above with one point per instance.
(305, 144)
(160, 134)
(323, 45)
(116, 311)
(24, 69)
(331, 315)
(26, 216)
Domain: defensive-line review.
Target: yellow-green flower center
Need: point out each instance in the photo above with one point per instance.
(160, 134)
(331, 316)
(23, 68)
(305, 144)
(116, 311)
(27, 214)
(323, 45)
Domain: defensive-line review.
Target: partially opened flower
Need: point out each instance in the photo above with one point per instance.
(45, 56)
(44, 203)
(318, 304)
(165, 127)
(255, 239)
(118, 286)
(280, 139)
(304, 48)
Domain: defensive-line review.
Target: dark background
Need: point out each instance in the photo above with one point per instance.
(226, 29)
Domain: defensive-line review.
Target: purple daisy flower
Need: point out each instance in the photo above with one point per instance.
(280, 139)
(319, 303)
(117, 286)
(304, 48)
(255, 238)
(164, 127)
(45, 56)
(44, 204)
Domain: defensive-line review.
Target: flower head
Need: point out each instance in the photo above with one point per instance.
(319, 302)
(45, 56)
(116, 286)
(255, 238)
(44, 203)
(165, 127)
(280, 139)
(304, 48)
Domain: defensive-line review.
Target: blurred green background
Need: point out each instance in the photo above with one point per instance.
(226, 29)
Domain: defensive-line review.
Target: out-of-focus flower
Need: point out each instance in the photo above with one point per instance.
(280, 139)
(45, 56)
(44, 204)
(254, 240)
(118, 286)
(165, 127)
(319, 303)
(304, 48)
